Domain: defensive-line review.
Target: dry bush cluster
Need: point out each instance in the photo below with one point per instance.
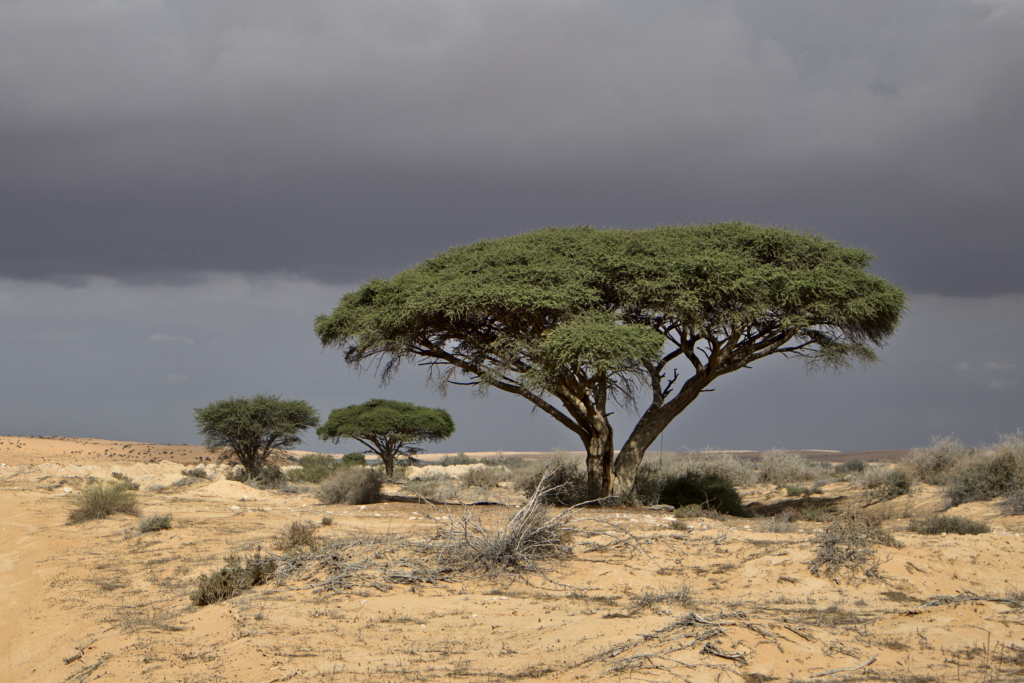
(970, 474)
(154, 523)
(781, 467)
(352, 486)
(233, 579)
(949, 524)
(848, 548)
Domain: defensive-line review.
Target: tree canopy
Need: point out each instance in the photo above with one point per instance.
(254, 429)
(388, 428)
(577, 319)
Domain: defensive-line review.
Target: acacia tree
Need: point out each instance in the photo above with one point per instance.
(575, 320)
(253, 429)
(388, 428)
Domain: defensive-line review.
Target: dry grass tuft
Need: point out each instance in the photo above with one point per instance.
(949, 524)
(233, 579)
(99, 501)
(155, 523)
(517, 543)
(297, 535)
(847, 547)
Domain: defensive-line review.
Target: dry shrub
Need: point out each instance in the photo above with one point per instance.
(353, 486)
(155, 523)
(435, 489)
(991, 473)
(485, 477)
(562, 480)
(126, 480)
(889, 483)
(934, 464)
(726, 466)
(233, 579)
(854, 466)
(708, 491)
(781, 467)
(100, 500)
(1014, 503)
(653, 599)
(196, 473)
(949, 524)
(847, 547)
(516, 544)
(297, 535)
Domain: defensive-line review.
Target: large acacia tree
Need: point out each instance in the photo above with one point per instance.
(388, 428)
(576, 320)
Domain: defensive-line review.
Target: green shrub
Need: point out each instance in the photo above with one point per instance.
(459, 459)
(708, 491)
(314, 468)
(854, 466)
(949, 524)
(233, 579)
(564, 479)
(100, 500)
(781, 468)
(352, 486)
(354, 459)
(155, 523)
(196, 473)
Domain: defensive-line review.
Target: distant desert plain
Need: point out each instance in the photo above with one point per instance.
(639, 594)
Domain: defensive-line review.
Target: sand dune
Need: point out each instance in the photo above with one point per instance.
(643, 596)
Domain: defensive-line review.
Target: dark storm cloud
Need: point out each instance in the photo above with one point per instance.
(148, 140)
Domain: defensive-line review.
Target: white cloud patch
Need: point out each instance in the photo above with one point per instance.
(999, 367)
(962, 366)
(164, 337)
(1001, 384)
(177, 379)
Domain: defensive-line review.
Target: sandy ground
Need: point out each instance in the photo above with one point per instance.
(642, 597)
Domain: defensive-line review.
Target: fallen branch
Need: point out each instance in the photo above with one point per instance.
(843, 671)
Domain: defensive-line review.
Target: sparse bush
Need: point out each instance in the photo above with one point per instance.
(793, 490)
(654, 598)
(485, 477)
(233, 579)
(355, 486)
(327, 520)
(125, 480)
(708, 491)
(989, 474)
(563, 478)
(155, 523)
(297, 535)
(949, 524)
(515, 545)
(781, 468)
(196, 473)
(357, 459)
(784, 522)
(100, 500)
(314, 468)
(509, 463)
(689, 511)
(270, 477)
(847, 547)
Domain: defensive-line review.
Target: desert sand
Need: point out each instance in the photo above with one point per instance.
(642, 597)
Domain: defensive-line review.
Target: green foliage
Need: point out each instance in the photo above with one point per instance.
(357, 459)
(949, 524)
(459, 459)
(101, 500)
(708, 491)
(388, 428)
(315, 467)
(233, 579)
(155, 523)
(351, 486)
(580, 315)
(254, 429)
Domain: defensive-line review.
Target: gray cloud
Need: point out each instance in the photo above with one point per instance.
(156, 142)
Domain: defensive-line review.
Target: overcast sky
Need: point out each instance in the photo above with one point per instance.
(184, 185)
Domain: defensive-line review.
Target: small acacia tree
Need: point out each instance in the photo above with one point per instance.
(388, 428)
(253, 429)
(576, 319)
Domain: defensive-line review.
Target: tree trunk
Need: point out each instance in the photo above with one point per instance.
(600, 460)
(389, 465)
